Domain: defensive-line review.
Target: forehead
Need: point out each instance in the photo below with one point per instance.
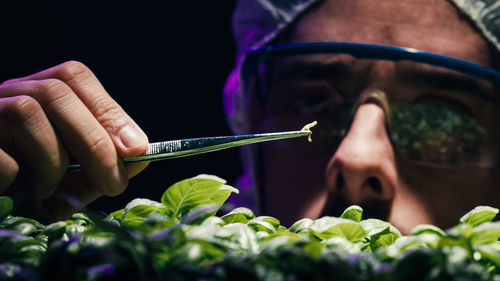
(428, 25)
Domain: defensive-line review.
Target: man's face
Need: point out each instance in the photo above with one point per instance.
(363, 168)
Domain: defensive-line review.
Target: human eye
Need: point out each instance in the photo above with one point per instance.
(312, 101)
(438, 129)
(301, 97)
(314, 98)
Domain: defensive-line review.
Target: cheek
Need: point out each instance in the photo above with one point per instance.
(446, 195)
(293, 181)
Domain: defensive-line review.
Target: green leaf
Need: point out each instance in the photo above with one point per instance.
(55, 230)
(341, 244)
(479, 215)
(383, 237)
(371, 224)
(276, 241)
(11, 222)
(183, 238)
(25, 228)
(273, 221)
(81, 218)
(281, 228)
(136, 212)
(302, 226)
(115, 217)
(327, 227)
(197, 253)
(354, 213)
(72, 229)
(116, 214)
(240, 214)
(244, 237)
(379, 233)
(288, 236)
(454, 238)
(261, 224)
(20, 248)
(221, 195)
(200, 213)
(424, 240)
(491, 253)
(6, 206)
(312, 248)
(213, 220)
(188, 194)
(9, 271)
(156, 221)
(147, 207)
(486, 233)
(139, 208)
(462, 230)
(211, 232)
(427, 229)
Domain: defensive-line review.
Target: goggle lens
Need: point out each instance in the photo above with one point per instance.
(443, 120)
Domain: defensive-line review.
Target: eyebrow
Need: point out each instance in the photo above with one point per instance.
(446, 80)
(427, 77)
(311, 69)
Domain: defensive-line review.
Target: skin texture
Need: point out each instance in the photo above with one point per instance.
(55, 114)
(364, 169)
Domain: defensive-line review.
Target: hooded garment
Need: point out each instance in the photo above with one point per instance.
(257, 22)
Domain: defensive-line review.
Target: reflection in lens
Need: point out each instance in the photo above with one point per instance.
(438, 133)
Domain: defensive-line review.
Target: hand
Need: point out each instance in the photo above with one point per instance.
(55, 114)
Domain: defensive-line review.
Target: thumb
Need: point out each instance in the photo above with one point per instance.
(135, 168)
(129, 139)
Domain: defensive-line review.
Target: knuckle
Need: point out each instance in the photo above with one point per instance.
(72, 70)
(101, 147)
(107, 112)
(49, 85)
(49, 91)
(21, 108)
(24, 104)
(98, 144)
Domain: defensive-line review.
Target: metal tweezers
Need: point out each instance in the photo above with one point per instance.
(187, 147)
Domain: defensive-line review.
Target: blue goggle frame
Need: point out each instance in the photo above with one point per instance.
(369, 51)
(254, 59)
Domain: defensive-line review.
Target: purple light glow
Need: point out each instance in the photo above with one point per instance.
(102, 269)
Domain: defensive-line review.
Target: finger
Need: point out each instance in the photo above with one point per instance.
(135, 168)
(80, 132)
(27, 135)
(127, 136)
(8, 172)
(75, 191)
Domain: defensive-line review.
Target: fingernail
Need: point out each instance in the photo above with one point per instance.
(132, 137)
(116, 181)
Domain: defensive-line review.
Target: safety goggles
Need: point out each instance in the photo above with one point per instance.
(439, 111)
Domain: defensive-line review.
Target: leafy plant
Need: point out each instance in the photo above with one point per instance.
(183, 237)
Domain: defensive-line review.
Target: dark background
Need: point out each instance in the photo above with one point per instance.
(165, 64)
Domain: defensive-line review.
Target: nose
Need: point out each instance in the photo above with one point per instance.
(363, 168)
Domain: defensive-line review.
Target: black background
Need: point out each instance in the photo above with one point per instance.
(165, 64)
